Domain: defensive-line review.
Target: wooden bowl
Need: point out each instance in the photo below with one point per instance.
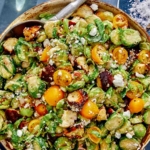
(55, 6)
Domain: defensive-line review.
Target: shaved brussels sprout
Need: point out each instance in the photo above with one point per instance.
(97, 94)
(129, 144)
(40, 144)
(114, 122)
(130, 37)
(59, 57)
(63, 143)
(14, 84)
(145, 81)
(7, 68)
(77, 49)
(5, 99)
(49, 26)
(146, 98)
(36, 86)
(75, 86)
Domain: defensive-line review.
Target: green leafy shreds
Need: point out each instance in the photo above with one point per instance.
(46, 16)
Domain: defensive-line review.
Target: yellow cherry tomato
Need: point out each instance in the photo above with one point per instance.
(92, 136)
(97, 53)
(62, 77)
(144, 56)
(45, 56)
(136, 90)
(53, 94)
(120, 21)
(41, 109)
(32, 124)
(105, 15)
(89, 110)
(120, 54)
(99, 82)
(136, 105)
(140, 68)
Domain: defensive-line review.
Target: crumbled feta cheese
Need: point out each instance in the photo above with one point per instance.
(117, 135)
(19, 133)
(26, 105)
(83, 40)
(128, 135)
(46, 43)
(68, 118)
(93, 32)
(51, 62)
(118, 80)
(139, 75)
(127, 114)
(94, 7)
(113, 65)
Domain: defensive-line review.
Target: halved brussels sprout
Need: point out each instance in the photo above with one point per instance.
(127, 127)
(139, 130)
(36, 86)
(14, 84)
(97, 94)
(146, 116)
(7, 68)
(130, 37)
(144, 46)
(114, 122)
(27, 112)
(63, 143)
(129, 144)
(115, 37)
(146, 98)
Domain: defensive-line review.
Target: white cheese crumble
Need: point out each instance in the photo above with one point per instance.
(117, 135)
(51, 62)
(46, 43)
(128, 135)
(19, 133)
(68, 118)
(94, 7)
(118, 80)
(127, 114)
(83, 40)
(139, 75)
(93, 32)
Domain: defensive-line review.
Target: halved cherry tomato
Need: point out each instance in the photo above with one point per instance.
(120, 54)
(99, 82)
(144, 56)
(136, 91)
(41, 109)
(89, 110)
(93, 134)
(32, 124)
(136, 105)
(53, 94)
(62, 77)
(140, 68)
(97, 53)
(105, 15)
(120, 21)
(45, 56)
